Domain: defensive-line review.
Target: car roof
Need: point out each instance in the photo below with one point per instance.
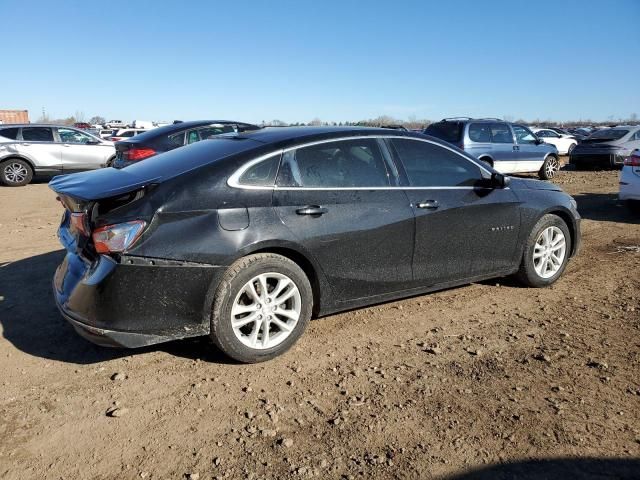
(274, 135)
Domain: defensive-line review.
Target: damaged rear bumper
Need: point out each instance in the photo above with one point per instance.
(136, 301)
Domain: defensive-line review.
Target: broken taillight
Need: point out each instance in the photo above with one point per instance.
(117, 238)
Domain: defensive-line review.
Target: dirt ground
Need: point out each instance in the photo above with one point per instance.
(488, 381)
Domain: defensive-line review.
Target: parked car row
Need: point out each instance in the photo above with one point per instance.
(28, 150)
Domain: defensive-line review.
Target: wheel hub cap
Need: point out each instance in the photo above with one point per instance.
(266, 310)
(15, 172)
(549, 252)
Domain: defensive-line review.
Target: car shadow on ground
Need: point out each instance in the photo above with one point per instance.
(556, 469)
(605, 207)
(32, 323)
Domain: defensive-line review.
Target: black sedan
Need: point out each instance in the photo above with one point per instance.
(245, 237)
(163, 139)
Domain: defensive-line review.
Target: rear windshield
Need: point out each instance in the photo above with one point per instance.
(448, 131)
(181, 160)
(612, 133)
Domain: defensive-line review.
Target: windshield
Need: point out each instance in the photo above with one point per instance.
(610, 133)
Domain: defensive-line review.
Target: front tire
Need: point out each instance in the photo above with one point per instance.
(15, 172)
(570, 149)
(549, 168)
(546, 252)
(261, 307)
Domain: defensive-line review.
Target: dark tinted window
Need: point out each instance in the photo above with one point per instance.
(610, 133)
(524, 135)
(479, 132)
(192, 137)
(11, 133)
(340, 164)
(261, 174)
(500, 133)
(448, 131)
(37, 134)
(429, 165)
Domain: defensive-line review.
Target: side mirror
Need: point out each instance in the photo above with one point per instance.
(93, 142)
(499, 180)
(539, 141)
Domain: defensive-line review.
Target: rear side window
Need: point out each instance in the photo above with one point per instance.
(448, 131)
(430, 165)
(37, 134)
(10, 133)
(480, 132)
(262, 174)
(500, 133)
(341, 164)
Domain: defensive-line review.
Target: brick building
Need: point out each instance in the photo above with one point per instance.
(14, 116)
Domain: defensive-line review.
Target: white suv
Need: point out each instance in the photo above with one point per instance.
(29, 150)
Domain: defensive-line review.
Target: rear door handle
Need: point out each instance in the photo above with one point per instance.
(312, 210)
(515, 147)
(25, 144)
(428, 204)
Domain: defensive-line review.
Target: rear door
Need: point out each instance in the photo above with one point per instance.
(81, 151)
(38, 145)
(463, 229)
(336, 198)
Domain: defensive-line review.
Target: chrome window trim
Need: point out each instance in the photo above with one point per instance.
(234, 180)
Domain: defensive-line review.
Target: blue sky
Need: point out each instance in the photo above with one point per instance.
(335, 60)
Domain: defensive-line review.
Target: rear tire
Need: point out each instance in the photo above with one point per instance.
(261, 307)
(571, 147)
(15, 172)
(546, 252)
(549, 168)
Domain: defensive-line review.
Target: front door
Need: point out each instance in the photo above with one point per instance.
(464, 228)
(337, 198)
(81, 151)
(530, 153)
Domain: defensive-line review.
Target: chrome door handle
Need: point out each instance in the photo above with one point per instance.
(428, 204)
(311, 210)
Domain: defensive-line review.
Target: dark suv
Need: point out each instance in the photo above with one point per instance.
(507, 147)
(163, 139)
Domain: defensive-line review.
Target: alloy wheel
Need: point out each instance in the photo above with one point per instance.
(15, 172)
(266, 310)
(549, 252)
(552, 165)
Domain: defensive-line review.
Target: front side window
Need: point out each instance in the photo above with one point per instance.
(542, 133)
(523, 135)
(479, 132)
(10, 133)
(340, 164)
(430, 165)
(73, 136)
(262, 174)
(37, 134)
(500, 133)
